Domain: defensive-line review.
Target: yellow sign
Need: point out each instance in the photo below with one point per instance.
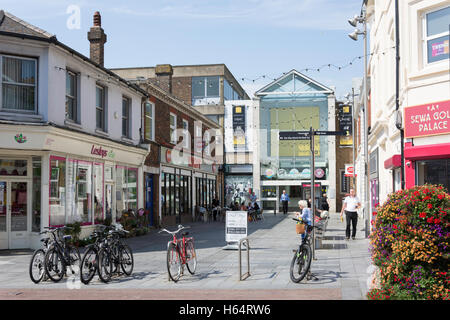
(294, 119)
(238, 110)
(239, 140)
(346, 140)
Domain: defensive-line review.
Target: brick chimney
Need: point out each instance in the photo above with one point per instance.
(97, 38)
(164, 74)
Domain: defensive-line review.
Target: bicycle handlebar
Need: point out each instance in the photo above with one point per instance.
(299, 220)
(180, 227)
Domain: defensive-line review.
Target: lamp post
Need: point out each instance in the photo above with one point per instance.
(354, 36)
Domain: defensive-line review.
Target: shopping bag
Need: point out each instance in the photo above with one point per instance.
(300, 228)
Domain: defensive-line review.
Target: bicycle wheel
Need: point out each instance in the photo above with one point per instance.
(300, 263)
(88, 265)
(54, 265)
(173, 262)
(191, 257)
(105, 265)
(37, 268)
(126, 259)
(74, 259)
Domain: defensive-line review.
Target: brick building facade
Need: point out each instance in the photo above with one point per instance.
(174, 191)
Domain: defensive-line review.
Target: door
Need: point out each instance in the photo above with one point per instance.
(149, 197)
(4, 239)
(109, 202)
(14, 215)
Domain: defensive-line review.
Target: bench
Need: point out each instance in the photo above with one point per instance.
(319, 233)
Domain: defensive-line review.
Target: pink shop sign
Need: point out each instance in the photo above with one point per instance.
(427, 120)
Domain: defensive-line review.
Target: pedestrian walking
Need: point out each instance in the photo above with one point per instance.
(350, 206)
(284, 201)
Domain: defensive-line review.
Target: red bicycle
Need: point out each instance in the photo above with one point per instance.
(180, 252)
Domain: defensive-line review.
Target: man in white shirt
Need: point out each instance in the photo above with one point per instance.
(351, 204)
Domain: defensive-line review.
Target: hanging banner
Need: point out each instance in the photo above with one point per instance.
(239, 126)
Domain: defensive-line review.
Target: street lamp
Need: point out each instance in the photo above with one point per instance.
(362, 18)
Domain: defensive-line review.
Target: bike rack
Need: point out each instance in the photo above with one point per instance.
(246, 275)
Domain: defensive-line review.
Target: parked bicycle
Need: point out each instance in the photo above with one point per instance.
(89, 262)
(114, 255)
(180, 252)
(61, 255)
(301, 262)
(37, 269)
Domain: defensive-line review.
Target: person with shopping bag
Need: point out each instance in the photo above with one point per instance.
(304, 215)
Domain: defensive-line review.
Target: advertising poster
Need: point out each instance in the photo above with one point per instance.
(239, 126)
(235, 226)
(295, 119)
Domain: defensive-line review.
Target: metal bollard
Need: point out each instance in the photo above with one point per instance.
(246, 275)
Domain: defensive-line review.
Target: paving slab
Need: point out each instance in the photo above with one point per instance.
(340, 266)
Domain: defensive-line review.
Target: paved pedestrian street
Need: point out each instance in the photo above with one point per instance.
(341, 268)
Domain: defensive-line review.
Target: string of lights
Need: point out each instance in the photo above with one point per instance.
(318, 69)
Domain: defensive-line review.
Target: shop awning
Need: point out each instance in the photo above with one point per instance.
(393, 162)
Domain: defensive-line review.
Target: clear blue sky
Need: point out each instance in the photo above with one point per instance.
(252, 37)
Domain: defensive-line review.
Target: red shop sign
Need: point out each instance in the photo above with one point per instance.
(427, 120)
(168, 156)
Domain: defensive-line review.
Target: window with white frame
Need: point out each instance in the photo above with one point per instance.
(18, 84)
(436, 35)
(206, 142)
(71, 96)
(100, 108)
(149, 121)
(205, 90)
(185, 134)
(345, 182)
(173, 127)
(198, 137)
(126, 117)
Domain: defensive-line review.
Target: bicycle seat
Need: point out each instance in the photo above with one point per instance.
(184, 234)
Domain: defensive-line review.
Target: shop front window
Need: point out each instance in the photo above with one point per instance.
(57, 187)
(13, 167)
(79, 191)
(237, 189)
(434, 172)
(163, 194)
(126, 190)
(98, 192)
(132, 189)
(36, 195)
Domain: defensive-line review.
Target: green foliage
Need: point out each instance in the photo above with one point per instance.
(74, 231)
